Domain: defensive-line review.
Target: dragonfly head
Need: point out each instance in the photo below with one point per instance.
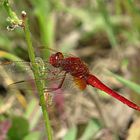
(56, 59)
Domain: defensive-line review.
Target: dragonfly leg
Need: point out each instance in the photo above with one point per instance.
(54, 89)
(59, 86)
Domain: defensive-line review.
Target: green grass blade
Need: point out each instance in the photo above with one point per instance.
(127, 83)
(71, 134)
(92, 128)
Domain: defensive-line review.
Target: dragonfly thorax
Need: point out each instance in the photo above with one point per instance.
(75, 66)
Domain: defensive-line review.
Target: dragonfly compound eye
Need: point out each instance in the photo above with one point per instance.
(55, 59)
(59, 56)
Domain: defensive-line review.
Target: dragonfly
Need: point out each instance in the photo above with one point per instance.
(78, 69)
(82, 76)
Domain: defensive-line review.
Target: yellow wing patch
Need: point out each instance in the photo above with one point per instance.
(80, 83)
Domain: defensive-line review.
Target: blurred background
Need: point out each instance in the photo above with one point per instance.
(103, 33)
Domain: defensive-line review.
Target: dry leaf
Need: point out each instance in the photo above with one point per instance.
(134, 131)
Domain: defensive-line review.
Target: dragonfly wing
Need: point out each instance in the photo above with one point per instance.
(55, 82)
(22, 75)
(80, 83)
(15, 70)
(12, 66)
(42, 49)
(70, 85)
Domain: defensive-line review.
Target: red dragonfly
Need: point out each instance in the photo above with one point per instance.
(79, 71)
(82, 76)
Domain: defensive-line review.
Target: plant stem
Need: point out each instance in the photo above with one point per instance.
(12, 15)
(40, 86)
(38, 83)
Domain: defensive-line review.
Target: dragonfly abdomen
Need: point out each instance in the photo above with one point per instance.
(95, 82)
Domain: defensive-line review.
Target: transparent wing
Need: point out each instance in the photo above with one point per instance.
(21, 72)
(69, 85)
(50, 51)
(16, 69)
